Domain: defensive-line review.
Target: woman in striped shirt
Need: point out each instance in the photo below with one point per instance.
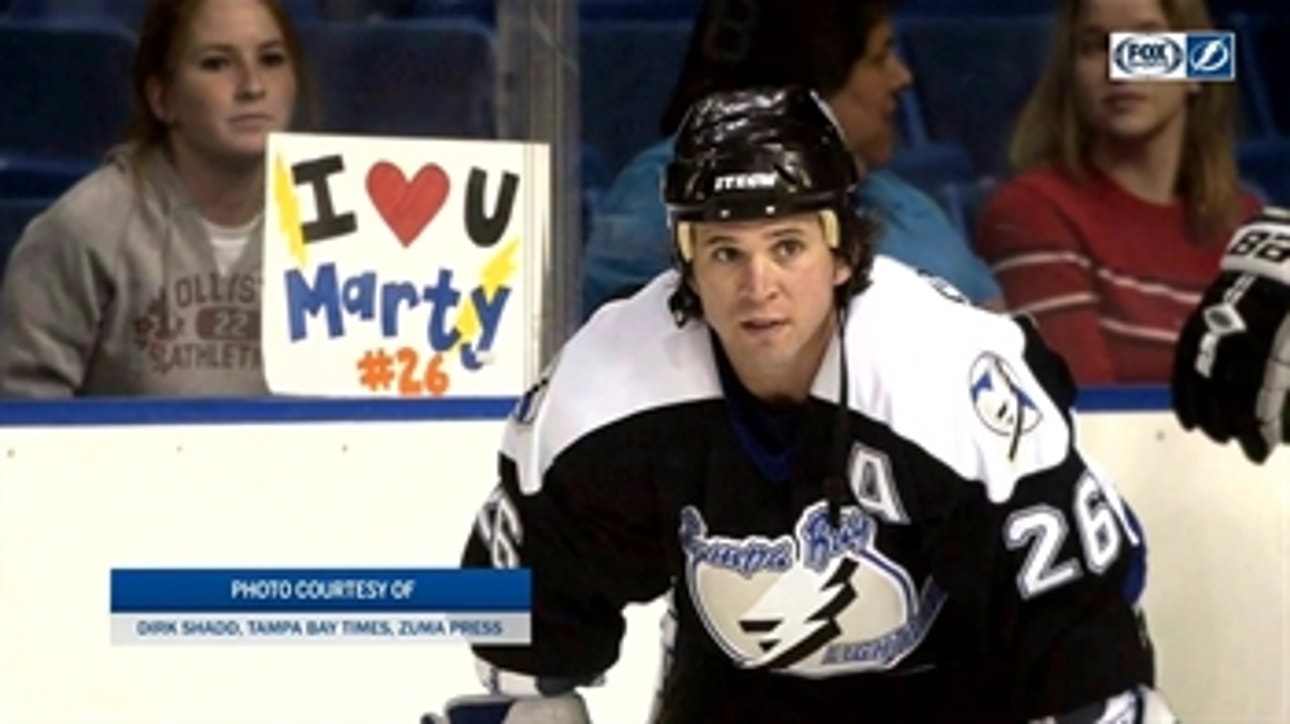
(1125, 197)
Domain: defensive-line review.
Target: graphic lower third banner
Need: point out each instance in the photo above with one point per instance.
(306, 606)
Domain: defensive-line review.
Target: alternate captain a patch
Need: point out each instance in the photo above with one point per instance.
(999, 401)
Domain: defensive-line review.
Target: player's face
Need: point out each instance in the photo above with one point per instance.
(1123, 111)
(866, 105)
(767, 292)
(233, 84)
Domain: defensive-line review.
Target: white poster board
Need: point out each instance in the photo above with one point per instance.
(401, 266)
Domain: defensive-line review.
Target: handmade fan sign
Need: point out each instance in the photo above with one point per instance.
(402, 267)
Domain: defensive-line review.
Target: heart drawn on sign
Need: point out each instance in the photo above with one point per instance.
(407, 206)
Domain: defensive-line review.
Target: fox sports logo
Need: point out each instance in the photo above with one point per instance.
(1149, 56)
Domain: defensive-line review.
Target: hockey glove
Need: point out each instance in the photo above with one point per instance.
(1231, 370)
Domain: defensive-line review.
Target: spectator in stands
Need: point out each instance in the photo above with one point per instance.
(1125, 196)
(843, 49)
(144, 278)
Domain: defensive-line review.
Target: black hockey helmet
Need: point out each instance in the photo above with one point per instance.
(760, 153)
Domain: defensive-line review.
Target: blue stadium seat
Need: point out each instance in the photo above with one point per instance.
(409, 78)
(588, 10)
(1223, 10)
(595, 183)
(374, 10)
(14, 216)
(1263, 53)
(124, 12)
(606, 10)
(974, 8)
(127, 12)
(64, 97)
(1265, 163)
(931, 166)
(628, 70)
(972, 76)
(594, 170)
(482, 10)
(27, 176)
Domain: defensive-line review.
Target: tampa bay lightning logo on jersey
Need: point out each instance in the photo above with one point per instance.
(1000, 403)
(819, 602)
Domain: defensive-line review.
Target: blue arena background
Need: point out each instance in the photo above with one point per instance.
(973, 62)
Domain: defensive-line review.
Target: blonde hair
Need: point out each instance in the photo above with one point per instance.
(1051, 132)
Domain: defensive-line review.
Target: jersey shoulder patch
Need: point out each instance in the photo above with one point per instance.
(953, 380)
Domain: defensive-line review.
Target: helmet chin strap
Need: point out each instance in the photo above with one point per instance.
(835, 476)
(835, 480)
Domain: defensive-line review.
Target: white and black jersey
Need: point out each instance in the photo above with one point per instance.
(980, 571)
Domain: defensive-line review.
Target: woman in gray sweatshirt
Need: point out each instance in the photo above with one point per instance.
(144, 278)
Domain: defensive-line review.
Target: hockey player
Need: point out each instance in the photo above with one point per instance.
(862, 495)
(1232, 363)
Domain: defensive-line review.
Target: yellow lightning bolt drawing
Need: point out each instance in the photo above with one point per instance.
(492, 277)
(288, 210)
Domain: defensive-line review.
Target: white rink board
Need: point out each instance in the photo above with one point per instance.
(78, 501)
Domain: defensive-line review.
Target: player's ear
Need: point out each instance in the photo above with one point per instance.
(841, 270)
(690, 281)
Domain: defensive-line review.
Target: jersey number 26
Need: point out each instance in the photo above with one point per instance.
(1043, 528)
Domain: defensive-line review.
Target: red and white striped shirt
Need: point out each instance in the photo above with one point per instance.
(1108, 277)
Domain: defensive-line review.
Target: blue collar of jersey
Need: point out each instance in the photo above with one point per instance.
(769, 435)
